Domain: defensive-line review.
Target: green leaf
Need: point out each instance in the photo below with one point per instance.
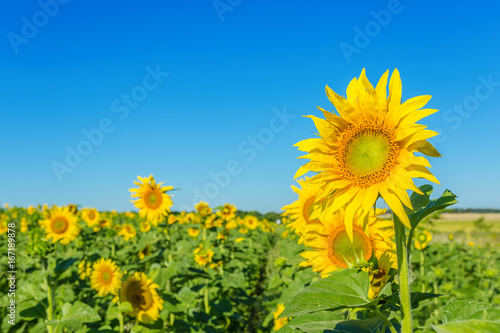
(77, 313)
(446, 199)
(125, 307)
(154, 271)
(458, 310)
(415, 298)
(309, 323)
(37, 311)
(469, 326)
(343, 289)
(64, 265)
(419, 201)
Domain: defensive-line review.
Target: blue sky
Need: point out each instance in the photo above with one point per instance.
(207, 95)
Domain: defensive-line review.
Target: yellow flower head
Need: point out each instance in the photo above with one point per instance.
(451, 237)
(3, 226)
(141, 292)
(203, 208)
(422, 239)
(239, 239)
(212, 221)
(31, 210)
(228, 212)
(301, 210)
(171, 219)
(144, 226)
(232, 224)
(201, 256)
(127, 231)
(193, 232)
(105, 277)
(471, 244)
(91, 216)
(367, 150)
(24, 225)
(279, 323)
(332, 249)
(251, 222)
(61, 225)
(152, 200)
(84, 269)
(105, 222)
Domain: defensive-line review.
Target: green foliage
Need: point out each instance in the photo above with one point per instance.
(342, 289)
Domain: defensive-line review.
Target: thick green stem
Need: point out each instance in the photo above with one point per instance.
(404, 276)
(120, 321)
(422, 269)
(50, 314)
(386, 321)
(207, 305)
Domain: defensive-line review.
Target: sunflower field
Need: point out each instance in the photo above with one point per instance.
(332, 261)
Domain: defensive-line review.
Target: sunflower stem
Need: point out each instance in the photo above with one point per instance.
(422, 269)
(50, 313)
(404, 276)
(207, 305)
(386, 321)
(120, 321)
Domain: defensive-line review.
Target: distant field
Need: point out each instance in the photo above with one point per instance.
(469, 217)
(462, 226)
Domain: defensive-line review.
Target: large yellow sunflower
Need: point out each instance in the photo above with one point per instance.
(140, 291)
(153, 201)
(105, 277)
(332, 249)
(300, 211)
(61, 225)
(368, 149)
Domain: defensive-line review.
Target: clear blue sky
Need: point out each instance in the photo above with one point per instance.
(237, 72)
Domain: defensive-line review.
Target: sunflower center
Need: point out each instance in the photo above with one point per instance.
(422, 237)
(344, 251)
(153, 199)
(91, 215)
(106, 277)
(367, 153)
(59, 224)
(138, 296)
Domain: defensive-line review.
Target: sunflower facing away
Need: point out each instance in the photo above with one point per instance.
(368, 149)
(105, 277)
(140, 291)
(332, 249)
(152, 200)
(61, 225)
